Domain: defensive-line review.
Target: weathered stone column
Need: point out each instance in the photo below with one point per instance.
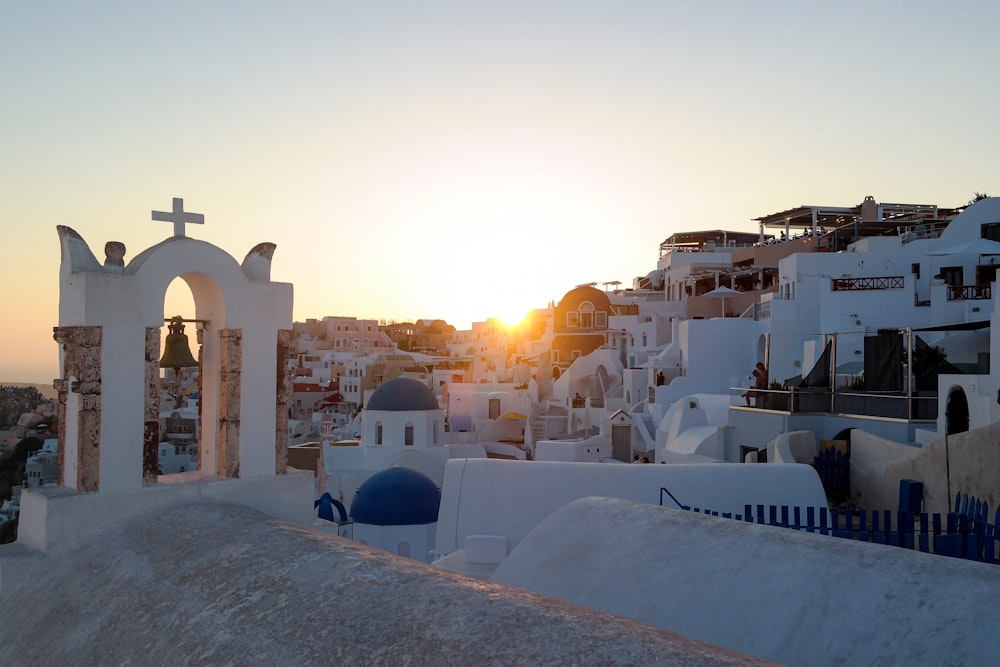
(82, 376)
(281, 400)
(200, 337)
(230, 377)
(151, 416)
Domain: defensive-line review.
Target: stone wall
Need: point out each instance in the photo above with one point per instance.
(230, 388)
(283, 388)
(82, 356)
(151, 416)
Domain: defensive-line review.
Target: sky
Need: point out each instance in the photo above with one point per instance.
(466, 160)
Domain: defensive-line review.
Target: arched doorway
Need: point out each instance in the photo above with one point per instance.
(956, 412)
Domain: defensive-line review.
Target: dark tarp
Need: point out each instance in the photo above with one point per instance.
(884, 361)
(819, 376)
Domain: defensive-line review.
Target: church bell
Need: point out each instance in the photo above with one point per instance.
(176, 353)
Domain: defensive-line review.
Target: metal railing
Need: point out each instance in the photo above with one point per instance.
(891, 405)
(969, 292)
(871, 283)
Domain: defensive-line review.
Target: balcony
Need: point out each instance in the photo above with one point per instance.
(969, 292)
(872, 283)
(887, 405)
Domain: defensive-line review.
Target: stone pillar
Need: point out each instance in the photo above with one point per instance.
(200, 337)
(230, 378)
(81, 370)
(151, 414)
(281, 400)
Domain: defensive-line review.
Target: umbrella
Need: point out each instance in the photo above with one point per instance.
(723, 293)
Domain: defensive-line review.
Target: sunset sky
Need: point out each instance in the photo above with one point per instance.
(462, 160)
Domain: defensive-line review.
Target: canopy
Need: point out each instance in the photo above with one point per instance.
(978, 246)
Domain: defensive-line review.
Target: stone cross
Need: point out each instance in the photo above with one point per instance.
(179, 217)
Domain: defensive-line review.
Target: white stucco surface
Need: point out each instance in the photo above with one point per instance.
(509, 498)
(217, 584)
(791, 597)
(125, 301)
(56, 519)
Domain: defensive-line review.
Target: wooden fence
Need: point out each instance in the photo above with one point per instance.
(962, 533)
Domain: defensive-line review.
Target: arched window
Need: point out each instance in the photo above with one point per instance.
(586, 315)
(408, 434)
(403, 549)
(378, 433)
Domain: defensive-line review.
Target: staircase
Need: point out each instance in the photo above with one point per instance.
(536, 423)
(543, 378)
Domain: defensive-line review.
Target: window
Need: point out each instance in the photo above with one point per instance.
(915, 269)
(953, 275)
(555, 356)
(575, 354)
(600, 319)
(378, 433)
(587, 315)
(991, 231)
(572, 319)
(408, 435)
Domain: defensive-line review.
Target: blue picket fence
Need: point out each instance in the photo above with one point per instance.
(963, 533)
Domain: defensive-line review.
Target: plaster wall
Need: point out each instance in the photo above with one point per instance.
(509, 498)
(418, 539)
(591, 450)
(972, 458)
(394, 427)
(788, 596)
(794, 447)
(123, 393)
(187, 570)
(720, 346)
(56, 519)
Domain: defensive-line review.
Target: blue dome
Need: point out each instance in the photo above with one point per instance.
(396, 497)
(402, 395)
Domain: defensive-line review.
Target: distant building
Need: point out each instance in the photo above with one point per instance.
(42, 467)
(580, 325)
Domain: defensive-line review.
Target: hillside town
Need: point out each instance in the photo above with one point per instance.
(836, 361)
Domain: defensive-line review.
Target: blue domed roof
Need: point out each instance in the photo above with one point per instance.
(402, 395)
(396, 497)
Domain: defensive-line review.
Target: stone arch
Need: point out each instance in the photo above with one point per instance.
(109, 327)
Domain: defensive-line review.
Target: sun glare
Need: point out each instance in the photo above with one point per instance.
(513, 319)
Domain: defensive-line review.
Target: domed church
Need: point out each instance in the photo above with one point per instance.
(397, 510)
(401, 456)
(402, 412)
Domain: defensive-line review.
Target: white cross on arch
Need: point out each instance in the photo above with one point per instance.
(179, 217)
